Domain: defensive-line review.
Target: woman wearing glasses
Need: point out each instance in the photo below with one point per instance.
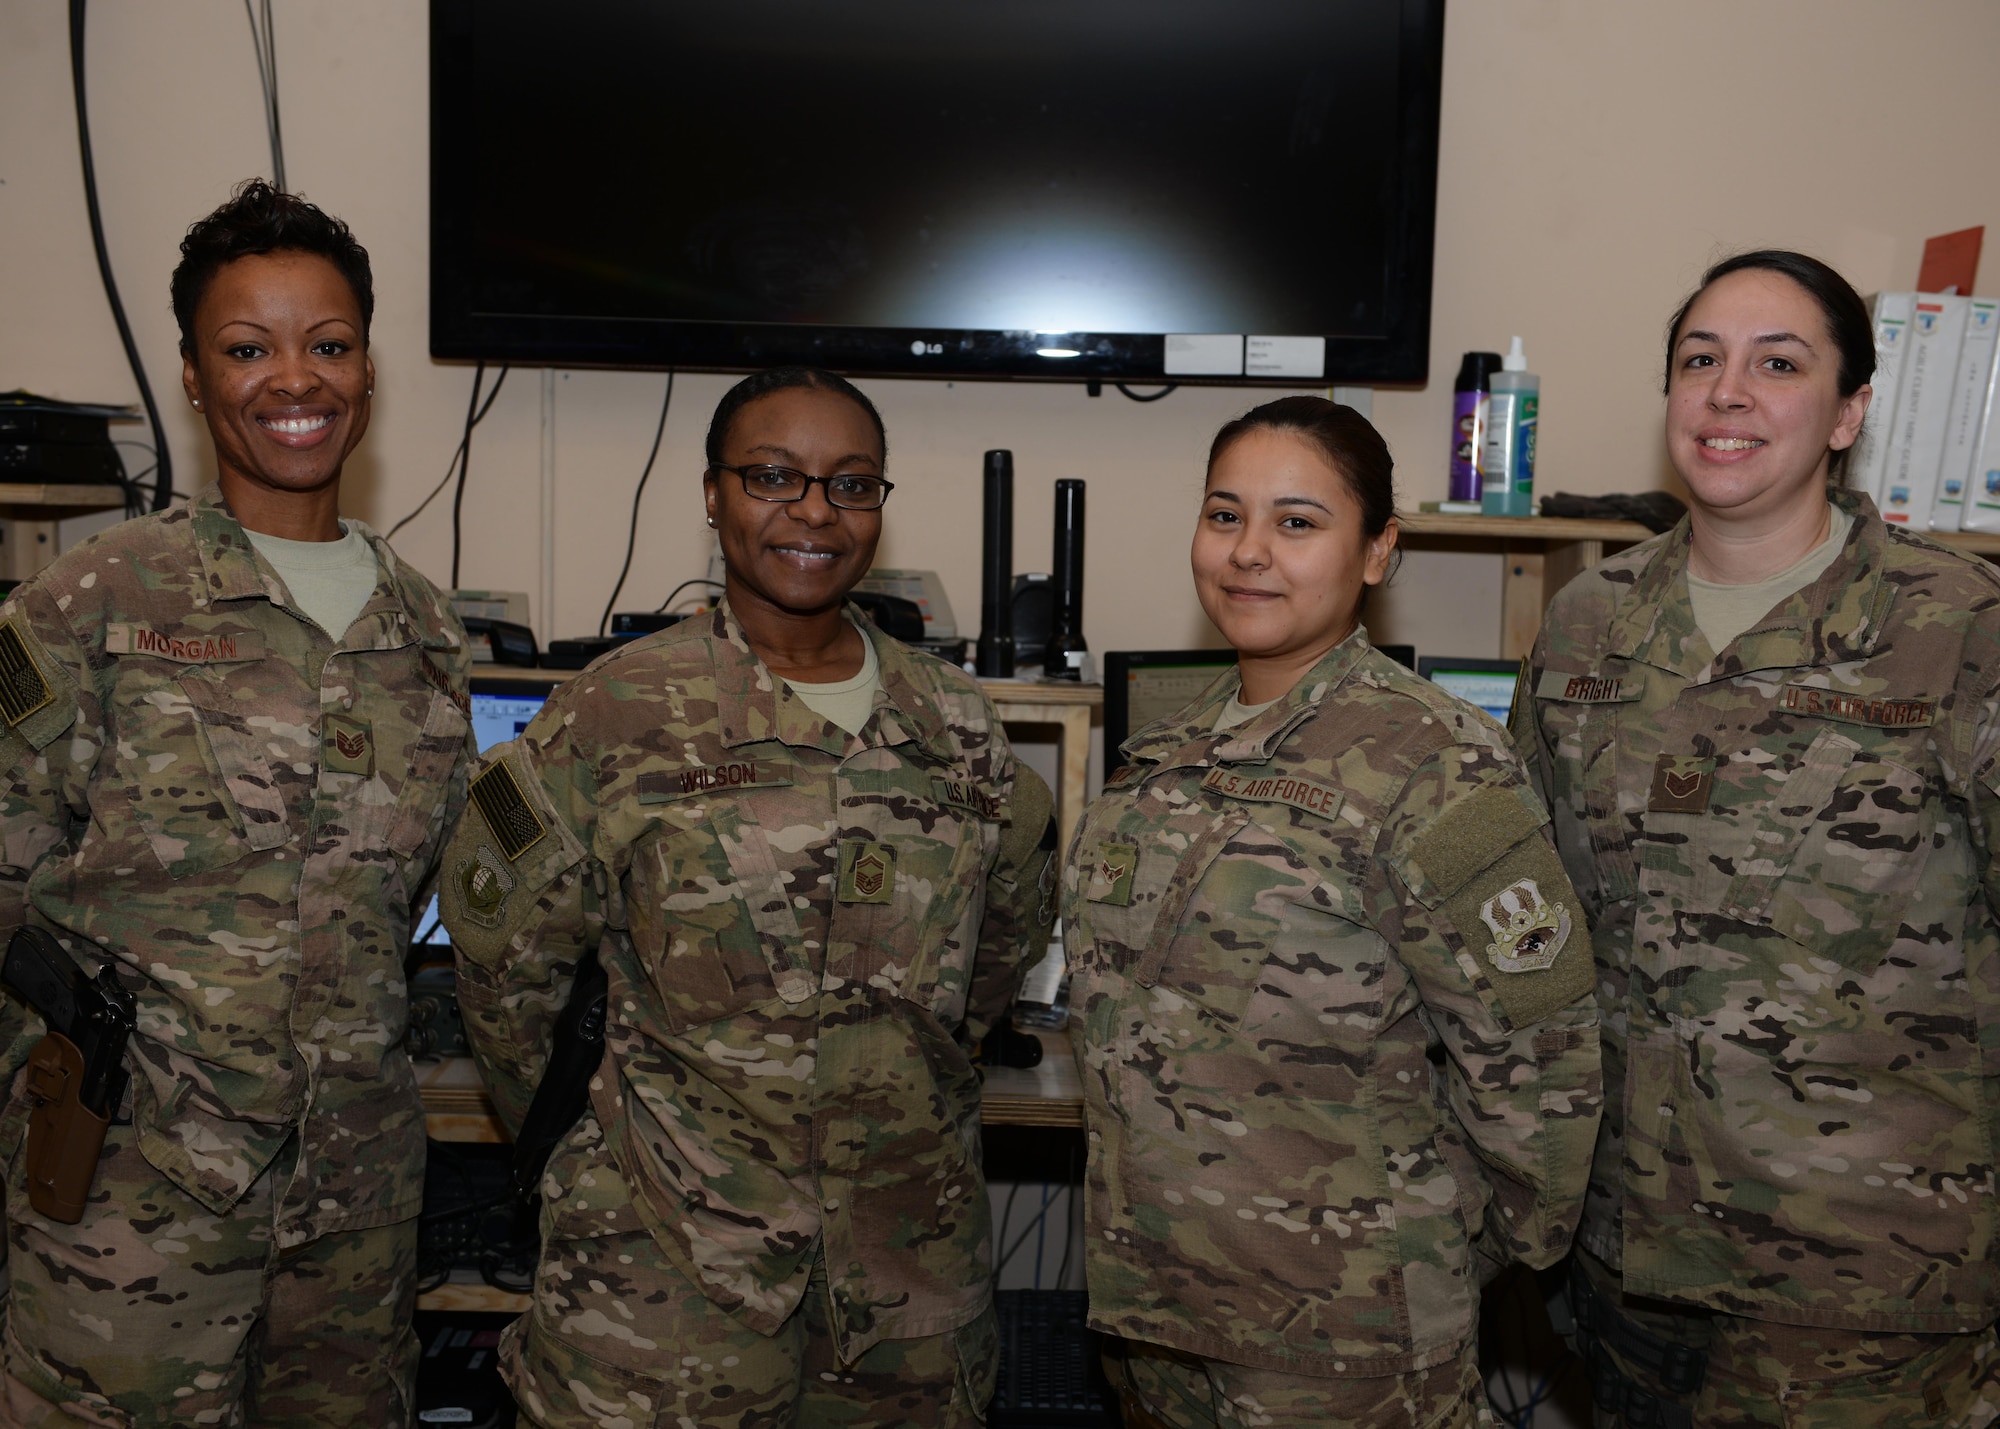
(810, 869)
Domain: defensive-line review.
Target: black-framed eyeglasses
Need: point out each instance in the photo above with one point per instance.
(849, 491)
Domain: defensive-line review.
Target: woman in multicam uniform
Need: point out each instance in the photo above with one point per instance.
(1768, 737)
(812, 871)
(1335, 1017)
(240, 749)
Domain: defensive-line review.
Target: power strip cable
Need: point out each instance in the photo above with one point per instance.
(265, 40)
(163, 484)
(632, 532)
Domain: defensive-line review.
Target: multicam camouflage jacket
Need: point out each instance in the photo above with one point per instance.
(1786, 851)
(238, 813)
(804, 932)
(1272, 931)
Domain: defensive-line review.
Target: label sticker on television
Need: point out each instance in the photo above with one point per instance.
(1204, 354)
(1284, 356)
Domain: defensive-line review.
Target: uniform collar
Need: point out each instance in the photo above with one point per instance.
(755, 705)
(1835, 619)
(1190, 739)
(231, 569)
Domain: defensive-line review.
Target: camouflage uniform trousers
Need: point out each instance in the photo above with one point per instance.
(619, 1339)
(1181, 1391)
(154, 1313)
(1799, 1377)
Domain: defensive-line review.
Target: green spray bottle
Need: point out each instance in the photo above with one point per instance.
(1507, 465)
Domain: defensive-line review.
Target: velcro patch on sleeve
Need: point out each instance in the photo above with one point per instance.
(1522, 926)
(516, 826)
(1471, 834)
(23, 687)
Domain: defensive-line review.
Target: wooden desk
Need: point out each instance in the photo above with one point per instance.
(1049, 1094)
(456, 1107)
(29, 512)
(1543, 553)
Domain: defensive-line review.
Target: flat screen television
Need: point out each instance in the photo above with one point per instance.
(1132, 190)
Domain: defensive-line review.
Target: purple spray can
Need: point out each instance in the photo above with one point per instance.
(1468, 422)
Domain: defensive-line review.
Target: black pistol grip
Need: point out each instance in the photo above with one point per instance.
(42, 975)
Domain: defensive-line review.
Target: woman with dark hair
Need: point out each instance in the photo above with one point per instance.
(236, 736)
(1334, 998)
(1768, 738)
(810, 870)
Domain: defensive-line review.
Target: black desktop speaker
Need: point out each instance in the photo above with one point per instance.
(996, 571)
(1066, 597)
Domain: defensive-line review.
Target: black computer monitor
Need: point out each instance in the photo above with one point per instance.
(1488, 684)
(1141, 686)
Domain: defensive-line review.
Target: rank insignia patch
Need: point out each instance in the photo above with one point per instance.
(1111, 875)
(348, 746)
(1681, 785)
(867, 872)
(483, 886)
(506, 811)
(22, 688)
(1528, 930)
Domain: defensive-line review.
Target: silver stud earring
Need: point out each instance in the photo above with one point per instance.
(711, 523)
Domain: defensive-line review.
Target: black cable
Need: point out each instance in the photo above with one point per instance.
(265, 41)
(465, 467)
(632, 533)
(478, 376)
(698, 580)
(164, 487)
(1166, 391)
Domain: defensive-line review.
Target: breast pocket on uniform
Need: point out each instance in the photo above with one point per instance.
(713, 913)
(439, 745)
(1841, 847)
(199, 766)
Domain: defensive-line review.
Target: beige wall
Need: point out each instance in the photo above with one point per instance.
(1596, 154)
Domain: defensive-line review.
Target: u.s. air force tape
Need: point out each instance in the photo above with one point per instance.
(22, 688)
(507, 813)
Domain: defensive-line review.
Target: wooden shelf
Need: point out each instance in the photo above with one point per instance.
(1543, 529)
(465, 1291)
(1543, 553)
(44, 501)
(456, 1107)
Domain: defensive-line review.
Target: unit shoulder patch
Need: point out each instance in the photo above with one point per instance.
(1528, 930)
(505, 808)
(483, 886)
